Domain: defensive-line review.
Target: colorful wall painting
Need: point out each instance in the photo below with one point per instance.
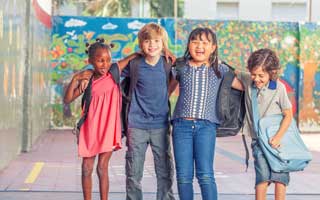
(236, 40)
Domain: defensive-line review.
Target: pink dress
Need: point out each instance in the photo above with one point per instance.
(101, 131)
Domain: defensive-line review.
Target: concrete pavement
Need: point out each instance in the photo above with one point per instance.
(51, 170)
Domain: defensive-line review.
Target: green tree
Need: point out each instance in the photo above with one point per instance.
(165, 8)
(108, 8)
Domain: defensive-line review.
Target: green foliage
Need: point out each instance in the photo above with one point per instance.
(108, 8)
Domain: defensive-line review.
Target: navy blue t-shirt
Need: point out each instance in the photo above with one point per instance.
(149, 104)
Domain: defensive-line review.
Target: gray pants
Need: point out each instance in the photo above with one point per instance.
(137, 143)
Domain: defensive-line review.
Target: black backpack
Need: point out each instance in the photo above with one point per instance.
(128, 85)
(230, 106)
(86, 97)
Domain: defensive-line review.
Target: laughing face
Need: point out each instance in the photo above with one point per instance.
(259, 77)
(201, 49)
(101, 61)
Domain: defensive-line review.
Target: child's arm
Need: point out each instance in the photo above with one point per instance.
(74, 88)
(172, 86)
(169, 56)
(237, 84)
(123, 63)
(285, 123)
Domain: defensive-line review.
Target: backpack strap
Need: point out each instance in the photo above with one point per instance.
(247, 151)
(179, 65)
(133, 74)
(224, 111)
(255, 109)
(86, 100)
(115, 73)
(167, 68)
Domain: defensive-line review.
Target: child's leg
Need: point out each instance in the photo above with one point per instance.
(262, 171)
(280, 191)
(160, 145)
(137, 143)
(183, 153)
(87, 168)
(102, 171)
(204, 149)
(261, 191)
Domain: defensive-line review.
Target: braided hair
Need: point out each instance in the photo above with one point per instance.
(99, 43)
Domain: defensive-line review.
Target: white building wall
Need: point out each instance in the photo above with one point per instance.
(200, 9)
(315, 13)
(253, 10)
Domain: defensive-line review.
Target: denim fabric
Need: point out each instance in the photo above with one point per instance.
(137, 143)
(262, 168)
(194, 145)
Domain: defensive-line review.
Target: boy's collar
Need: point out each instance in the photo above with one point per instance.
(272, 85)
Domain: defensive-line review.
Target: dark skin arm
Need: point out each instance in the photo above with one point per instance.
(123, 63)
(74, 90)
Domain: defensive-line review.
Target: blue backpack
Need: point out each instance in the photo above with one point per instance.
(292, 155)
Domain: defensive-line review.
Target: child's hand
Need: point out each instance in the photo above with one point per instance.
(139, 53)
(275, 142)
(83, 85)
(169, 55)
(83, 75)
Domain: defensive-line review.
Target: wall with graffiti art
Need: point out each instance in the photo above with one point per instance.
(309, 95)
(236, 40)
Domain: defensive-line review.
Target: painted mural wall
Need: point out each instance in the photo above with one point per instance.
(309, 96)
(236, 40)
(19, 86)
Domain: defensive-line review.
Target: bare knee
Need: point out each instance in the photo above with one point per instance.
(103, 163)
(261, 191)
(102, 170)
(87, 168)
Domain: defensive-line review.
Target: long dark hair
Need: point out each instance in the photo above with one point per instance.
(211, 36)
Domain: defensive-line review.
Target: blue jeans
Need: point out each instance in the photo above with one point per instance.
(137, 143)
(262, 168)
(194, 145)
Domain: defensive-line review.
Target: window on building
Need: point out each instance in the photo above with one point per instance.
(227, 10)
(289, 11)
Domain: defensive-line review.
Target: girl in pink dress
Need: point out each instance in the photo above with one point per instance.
(100, 134)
